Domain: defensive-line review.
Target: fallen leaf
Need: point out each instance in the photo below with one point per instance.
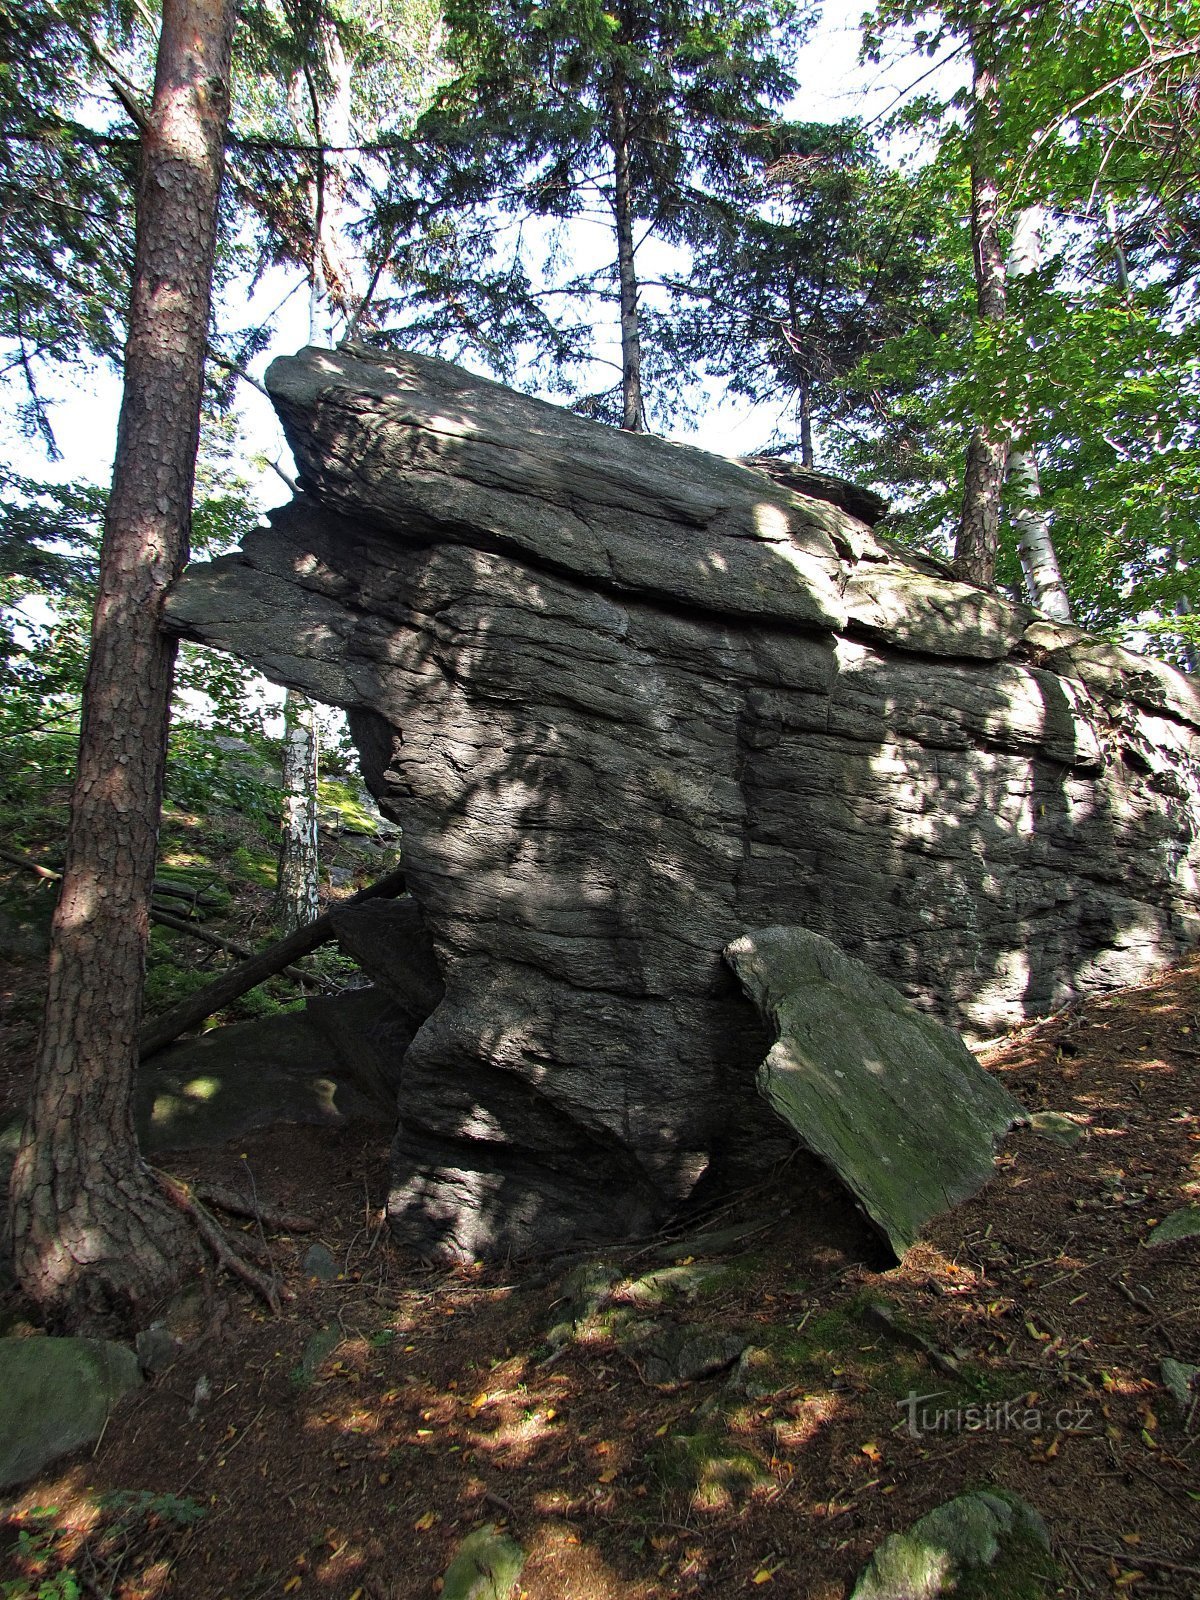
(763, 1575)
(292, 1584)
(872, 1452)
(1131, 1538)
(423, 1524)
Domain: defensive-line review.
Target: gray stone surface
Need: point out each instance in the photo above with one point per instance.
(1053, 1125)
(674, 1356)
(953, 1544)
(56, 1396)
(320, 1264)
(892, 1099)
(336, 1060)
(628, 700)
(1181, 1379)
(260, 1074)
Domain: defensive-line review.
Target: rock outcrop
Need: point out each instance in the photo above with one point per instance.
(627, 701)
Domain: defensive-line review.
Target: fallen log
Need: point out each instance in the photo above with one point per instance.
(239, 980)
(254, 968)
(231, 947)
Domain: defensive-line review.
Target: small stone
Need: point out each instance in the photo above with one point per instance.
(1183, 1224)
(156, 1349)
(1180, 1378)
(676, 1356)
(319, 1263)
(1053, 1125)
(486, 1567)
(57, 1394)
(317, 1350)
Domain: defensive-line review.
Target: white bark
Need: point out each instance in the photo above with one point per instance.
(1035, 542)
(1029, 512)
(296, 896)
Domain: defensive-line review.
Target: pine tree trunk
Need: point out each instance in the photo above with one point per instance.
(92, 1236)
(978, 538)
(296, 901)
(633, 415)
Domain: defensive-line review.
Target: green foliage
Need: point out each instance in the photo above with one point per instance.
(1097, 355)
(35, 1550)
(520, 145)
(132, 1506)
(204, 776)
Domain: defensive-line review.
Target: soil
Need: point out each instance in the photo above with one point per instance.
(435, 1402)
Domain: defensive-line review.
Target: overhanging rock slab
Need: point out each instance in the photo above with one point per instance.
(892, 1100)
(627, 700)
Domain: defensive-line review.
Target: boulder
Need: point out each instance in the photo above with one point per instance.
(628, 700)
(891, 1099)
(486, 1566)
(332, 1062)
(957, 1549)
(57, 1396)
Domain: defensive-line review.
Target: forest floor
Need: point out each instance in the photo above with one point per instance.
(345, 1447)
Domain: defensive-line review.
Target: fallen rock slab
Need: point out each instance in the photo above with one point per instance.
(892, 1100)
(56, 1396)
(957, 1548)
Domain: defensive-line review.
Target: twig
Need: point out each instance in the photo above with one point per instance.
(500, 1504)
(1142, 1559)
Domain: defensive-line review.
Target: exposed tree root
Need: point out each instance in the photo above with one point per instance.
(226, 1199)
(264, 1285)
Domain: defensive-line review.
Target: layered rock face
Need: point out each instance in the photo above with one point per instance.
(628, 701)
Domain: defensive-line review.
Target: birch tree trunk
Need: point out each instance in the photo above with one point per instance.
(1030, 515)
(297, 890)
(93, 1238)
(296, 893)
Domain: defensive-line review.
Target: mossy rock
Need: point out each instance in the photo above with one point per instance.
(979, 1546)
(486, 1567)
(583, 1295)
(57, 1394)
(665, 1285)
(1183, 1224)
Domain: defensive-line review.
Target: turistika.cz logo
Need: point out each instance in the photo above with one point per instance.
(1000, 1416)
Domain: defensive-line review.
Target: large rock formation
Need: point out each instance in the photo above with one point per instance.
(627, 701)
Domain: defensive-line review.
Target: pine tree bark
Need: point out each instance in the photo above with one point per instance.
(93, 1237)
(978, 538)
(633, 414)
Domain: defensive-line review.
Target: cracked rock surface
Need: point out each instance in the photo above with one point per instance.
(628, 701)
